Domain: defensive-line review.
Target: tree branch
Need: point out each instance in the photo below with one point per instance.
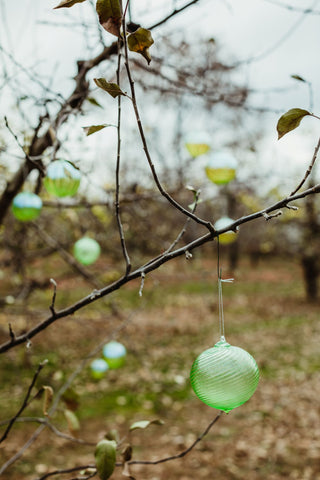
(25, 402)
(153, 265)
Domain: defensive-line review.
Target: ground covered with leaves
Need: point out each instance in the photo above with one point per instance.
(275, 435)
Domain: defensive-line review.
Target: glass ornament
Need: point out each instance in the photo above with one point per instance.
(221, 168)
(115, 354)
(26, 206)
(224, 376)
(197, 143)
(98, 368)
(86, 250)
(226, 237)
(62, 179)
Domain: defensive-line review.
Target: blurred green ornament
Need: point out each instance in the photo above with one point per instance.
(226, 237)
(98, 368)
(115, 354)
(224, 376)
(197, 143)
(62, 179)
(26, 206)
(86, 250)
(221, 168)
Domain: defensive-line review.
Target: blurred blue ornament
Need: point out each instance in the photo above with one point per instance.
(115, 354)
(98, 368)
(26, 206)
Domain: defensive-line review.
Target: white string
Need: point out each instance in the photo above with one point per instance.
(221, 314)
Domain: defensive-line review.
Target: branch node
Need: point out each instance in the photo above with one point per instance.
(143, 276)
(12, 334)
(273, 215)
(292, 207)
(188, 255)
(54, 283)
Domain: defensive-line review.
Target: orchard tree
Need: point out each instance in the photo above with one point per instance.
(129, 56)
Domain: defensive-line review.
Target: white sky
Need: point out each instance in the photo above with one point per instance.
(245, 29)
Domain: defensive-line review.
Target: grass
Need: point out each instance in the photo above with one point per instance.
(175, 320)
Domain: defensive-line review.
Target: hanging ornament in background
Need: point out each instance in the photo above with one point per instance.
(26, 206)
(226, 237)
(86, 250)
(224, 376)
(197, 143)
(221, 168)
(62, 179)
(115, 354)
(98, 368)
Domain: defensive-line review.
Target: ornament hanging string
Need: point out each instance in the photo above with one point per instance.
(220, 298)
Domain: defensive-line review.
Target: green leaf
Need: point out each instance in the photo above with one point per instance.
(95, 128)
(297, 77)
(105, 455)
(94, 102)
(140, 41)
(290, 120)
(68, 3)
(72, 419)
(112, 88)
(144, 424)
(109, 13)
(48, 395)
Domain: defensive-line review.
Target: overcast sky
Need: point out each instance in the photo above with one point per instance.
(282, 42)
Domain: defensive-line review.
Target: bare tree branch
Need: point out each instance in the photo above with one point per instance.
(25, 402)
(153, 265)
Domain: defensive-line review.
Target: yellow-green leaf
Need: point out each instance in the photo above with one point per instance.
(290, 120)
(144, 424)
(109, 13)
(112, 88)
(94, 102)
(140, 41)
(95, 128)
(105, 455)
(48, 395)
(68, 3)
(72, 419)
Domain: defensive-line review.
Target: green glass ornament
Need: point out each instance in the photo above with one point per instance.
(224, 376)
(221, 168)
(86, 250)
(197, 143)
(229, 236)
(26, 206)
(115, 354)
(98, 368)
(62, 179)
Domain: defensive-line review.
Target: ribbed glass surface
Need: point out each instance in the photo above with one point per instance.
(224, 377)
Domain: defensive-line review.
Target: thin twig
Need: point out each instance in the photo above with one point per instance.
(163, 192)
(309, 170)
(117, 192)
(25, 402)
(153, 265)
(54, 283)
(36, 164)
(69, 259)
(172, 14)
(55, 430)
(59, 394)
(184, 452)
(65, 470)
